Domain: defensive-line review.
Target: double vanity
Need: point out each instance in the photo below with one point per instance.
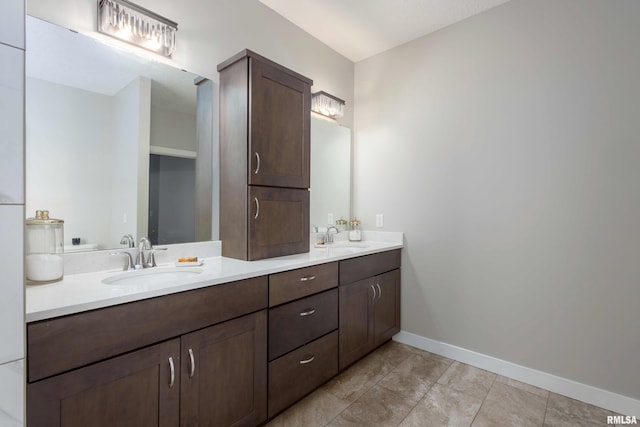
(228, 342)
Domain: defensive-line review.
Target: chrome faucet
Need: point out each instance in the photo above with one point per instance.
(143, 245)
(328, 238)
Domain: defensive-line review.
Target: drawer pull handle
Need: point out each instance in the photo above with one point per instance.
(308, 312)
(255, 199)
(172, 372)
(257, 169)
(307, 279)
(309, 359)
(374, 292)
(192, 364)
(379, 290)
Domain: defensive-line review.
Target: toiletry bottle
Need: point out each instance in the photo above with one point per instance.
(355, 235)
(341, 224)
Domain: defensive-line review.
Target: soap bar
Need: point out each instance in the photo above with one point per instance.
(188, 259)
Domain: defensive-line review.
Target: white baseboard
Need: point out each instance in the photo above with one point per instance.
(605, 399)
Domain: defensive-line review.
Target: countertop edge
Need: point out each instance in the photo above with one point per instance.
(251, 269)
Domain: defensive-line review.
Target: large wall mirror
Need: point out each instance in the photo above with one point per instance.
(111, 140)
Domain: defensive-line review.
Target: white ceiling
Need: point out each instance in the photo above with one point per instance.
(358, 29)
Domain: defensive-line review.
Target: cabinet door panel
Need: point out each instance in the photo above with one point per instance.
(130, 390)
(356, 320)
(226, 384)
(279, 128)
(387, 306)
(278, 222)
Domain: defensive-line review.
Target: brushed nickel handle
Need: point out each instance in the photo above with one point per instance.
(257, 169)
(308, 278)
(257, 208)
(308, 312)
(192, 364)
(379, 290)
(309, 359)
(374, 291)
(172, 370)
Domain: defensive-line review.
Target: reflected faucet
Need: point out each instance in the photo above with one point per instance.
(328, 238)
(127, 239)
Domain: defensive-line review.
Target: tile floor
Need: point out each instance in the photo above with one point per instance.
(399, 385)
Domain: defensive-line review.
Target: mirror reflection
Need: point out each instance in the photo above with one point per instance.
(330, 172)
(111, 144)
(94, 116)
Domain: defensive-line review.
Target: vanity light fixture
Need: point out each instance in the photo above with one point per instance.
(327, 105)
(136, 25)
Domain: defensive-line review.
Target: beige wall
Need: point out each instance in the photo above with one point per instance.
(506, 148)
(211, 31)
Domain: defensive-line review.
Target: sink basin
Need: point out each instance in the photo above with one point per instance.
(152, 276)
(342, 247)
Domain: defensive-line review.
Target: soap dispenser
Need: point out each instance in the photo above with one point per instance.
(44, 241)
(355, 235)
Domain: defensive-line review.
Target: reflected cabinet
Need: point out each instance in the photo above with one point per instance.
(264, 158)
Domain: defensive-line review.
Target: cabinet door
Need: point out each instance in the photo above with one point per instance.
(387, 306)
(356, 320)
(278, 222)
(137, 389)
(224, 373)
(279, 128)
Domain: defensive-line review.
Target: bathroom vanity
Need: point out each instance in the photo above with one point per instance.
(228, 347)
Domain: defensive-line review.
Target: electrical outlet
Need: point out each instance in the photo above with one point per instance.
(379, 220)
(330, 219)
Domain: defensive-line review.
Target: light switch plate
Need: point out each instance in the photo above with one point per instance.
(379, 220)
(330, 219)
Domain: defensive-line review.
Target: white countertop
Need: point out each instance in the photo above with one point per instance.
(85, 291)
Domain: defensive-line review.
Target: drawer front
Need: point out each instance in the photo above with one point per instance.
(107, 332)
(294, 375)
(354, 269)
(299, 322)
(295, 284)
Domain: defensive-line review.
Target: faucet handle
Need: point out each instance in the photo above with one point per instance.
(151, 259)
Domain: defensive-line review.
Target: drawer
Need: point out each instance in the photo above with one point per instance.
(294, 375)
(299, 322)
(291, 285)
(354, 269)
(99, 334)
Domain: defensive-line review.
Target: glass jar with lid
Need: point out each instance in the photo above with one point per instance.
(44, 246)
(355, 235)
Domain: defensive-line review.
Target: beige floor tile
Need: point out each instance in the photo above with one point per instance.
(566, 412)
(426, 367)
(317, 409)
(411, 387)
(394, 352)
(359, 378)
(378, 407)
(468, 379)
(443, 406)
(510, 406)
(523, 386)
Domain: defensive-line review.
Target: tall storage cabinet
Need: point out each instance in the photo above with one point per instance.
(264, 158)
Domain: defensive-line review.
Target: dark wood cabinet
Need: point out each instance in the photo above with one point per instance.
(224, 373)
(303, 336)
(278, 222)
(192, 358)
(369, 307)
(264, 144)
(141, 388)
